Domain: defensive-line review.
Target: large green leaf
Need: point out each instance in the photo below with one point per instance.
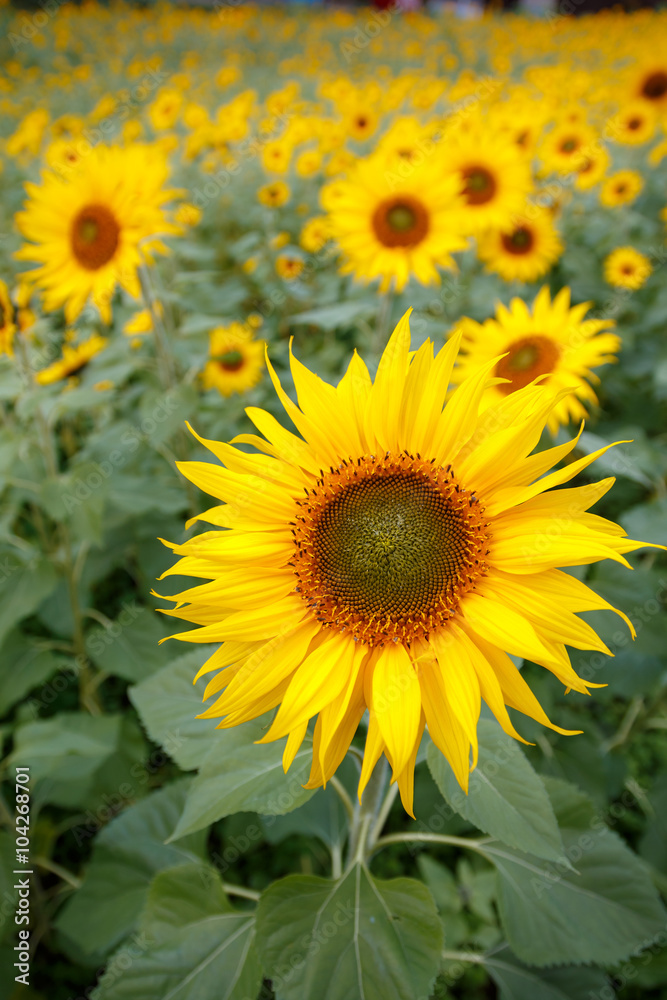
(127, 854)
(65, 752)
(8, 894)
(25, 664)
(240, 776)
(211, 959)
(354, 939)
(23, 587)
(519, 982)
(129, 647)
(601, 912)
(192, 945)
(169, 703)
(506, 798)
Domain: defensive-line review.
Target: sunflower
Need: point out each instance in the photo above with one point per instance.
(552, 339)
(236, 359)
(591, 167)
(650, 84)
(289, 266)
(526, 251)
(627, 268)
(568, 146)
(7, 325)
(621, 188)
(494, 175)
(73, 360)
(633, 125)
(314, 234)
(388, 559)
(274, 195)
(86, 230)
(393, 226)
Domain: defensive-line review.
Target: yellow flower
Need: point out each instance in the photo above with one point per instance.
(308, 163)
(567, 146)
(276, 156)
(526, 251)
(591, 167)
(288, 266)
(625, 267)
(494, 176)
(633, 125)
(187, 214)
(551, 339)
(279, 241)
(103, 385)
(141, 322)
(165, 109)
(315, 234)
(274, 195)
(621, 188)
(392, 225)
(650, 84)
(86, 231)
(73, 359)
(236, 360)
(387, 559)
(7, 325)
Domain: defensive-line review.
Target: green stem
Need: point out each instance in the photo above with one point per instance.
(163, 354)
(429, 838)
(239, 890)
(383, 322)
(385, 809)
(341, 791)
(462, 956)
(366, 814)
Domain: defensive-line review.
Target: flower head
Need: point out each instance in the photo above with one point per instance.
(387, 558)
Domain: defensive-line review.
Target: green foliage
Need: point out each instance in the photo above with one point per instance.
(354, 937)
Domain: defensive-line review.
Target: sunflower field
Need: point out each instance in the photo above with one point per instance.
(333, 344)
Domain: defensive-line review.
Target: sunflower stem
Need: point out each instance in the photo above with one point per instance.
(385, 809)
(240, 890)
(383, 322)
(430, 838)
(341, 791)
(163, 354)
(366, 815)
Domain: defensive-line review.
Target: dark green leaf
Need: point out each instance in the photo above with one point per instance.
(358, 937)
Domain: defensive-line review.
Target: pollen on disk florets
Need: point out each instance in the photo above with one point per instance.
(385, 547)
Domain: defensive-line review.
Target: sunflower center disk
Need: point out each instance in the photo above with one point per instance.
(478, 185)
(655, 86)
(400, 222)
(230, 361)
(385, 548)
(527, 358)
(519, 242)
(94, 236)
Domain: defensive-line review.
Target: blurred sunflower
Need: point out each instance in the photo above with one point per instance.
(392, 227)
(274, 195)
(73, 360)
(650, 83)
(627, 268)
(633, 125)
(388, 559)
(621, 188)
(493, 174)
(92, 230)
(526, 251)
(7, 325)
(236, 360)
(568, 146)
(552, 340)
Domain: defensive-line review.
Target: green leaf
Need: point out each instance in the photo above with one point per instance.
(442, 884)
(168, 703)
(357, 937)
(129, 647)
(322, 816)
(340, 314)
(573, 809)
(240, 776)
(8, 894)
(23, 666)
(601, 912)
(506, 797)
(647, 521)
(128, 852)
(23, 587)
(65, 752)
(211, 959)
(182, 895)
(518, 982)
